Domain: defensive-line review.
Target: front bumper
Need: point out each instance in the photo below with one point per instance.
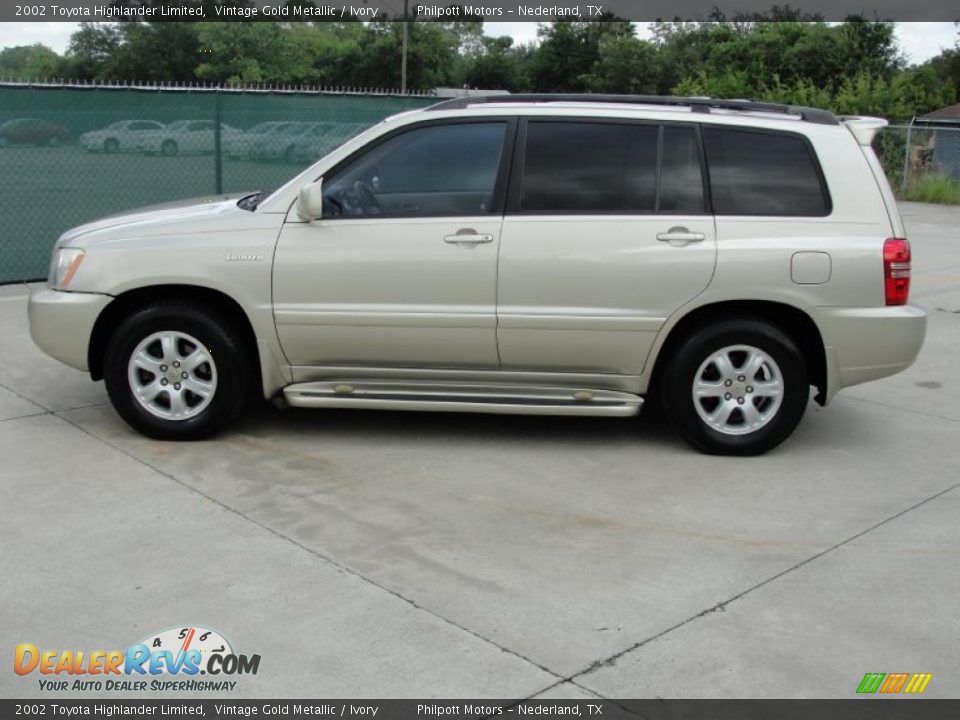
(864, 344)
(61, 323)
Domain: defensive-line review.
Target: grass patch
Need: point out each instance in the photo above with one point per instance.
(934, 189)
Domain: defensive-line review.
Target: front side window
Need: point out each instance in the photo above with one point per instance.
(763, 173)
(612, 168)
(433, 171)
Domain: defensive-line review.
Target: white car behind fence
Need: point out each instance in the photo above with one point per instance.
(121, 136)
(187, 136)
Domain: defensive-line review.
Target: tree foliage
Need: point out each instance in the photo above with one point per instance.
(783, 54)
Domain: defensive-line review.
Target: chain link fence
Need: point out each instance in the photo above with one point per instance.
(69, 154)
(921, 161)
(73, 153)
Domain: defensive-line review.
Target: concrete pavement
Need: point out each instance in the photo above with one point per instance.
(429, 555)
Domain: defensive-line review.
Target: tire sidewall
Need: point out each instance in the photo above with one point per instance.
(678, 396)
(232, 374)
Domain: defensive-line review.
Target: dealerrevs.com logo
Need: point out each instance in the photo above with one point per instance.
(169, 660)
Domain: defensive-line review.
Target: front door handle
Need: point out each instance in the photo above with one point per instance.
(680, 235)
(466, 237)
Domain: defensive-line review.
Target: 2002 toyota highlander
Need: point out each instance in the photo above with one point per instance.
(565, 255)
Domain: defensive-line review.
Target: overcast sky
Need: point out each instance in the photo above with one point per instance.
(919, 40)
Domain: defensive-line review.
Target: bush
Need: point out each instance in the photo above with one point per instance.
(934, 189)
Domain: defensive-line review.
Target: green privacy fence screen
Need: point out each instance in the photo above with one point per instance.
(70, 154)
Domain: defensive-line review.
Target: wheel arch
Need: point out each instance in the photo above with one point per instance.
(130, 300)
(796, 323)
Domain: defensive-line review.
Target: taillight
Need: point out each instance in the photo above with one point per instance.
(896, 270)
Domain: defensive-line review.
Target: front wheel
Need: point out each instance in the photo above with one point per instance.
(176, 372)
(737, 387)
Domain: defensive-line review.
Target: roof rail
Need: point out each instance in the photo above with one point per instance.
(696, 104)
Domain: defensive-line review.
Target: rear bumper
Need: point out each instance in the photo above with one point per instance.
(61, 323)
(864, 344)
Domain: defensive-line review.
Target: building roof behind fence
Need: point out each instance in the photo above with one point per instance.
(949, 114)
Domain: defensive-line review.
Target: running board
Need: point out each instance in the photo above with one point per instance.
(462, 397)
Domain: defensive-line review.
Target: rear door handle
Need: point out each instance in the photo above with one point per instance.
(680, 235)
(468, 238)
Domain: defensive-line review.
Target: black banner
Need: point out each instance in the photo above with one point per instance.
(488, 10)
(854, 709)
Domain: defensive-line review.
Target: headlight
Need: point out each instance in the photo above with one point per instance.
(64, 265)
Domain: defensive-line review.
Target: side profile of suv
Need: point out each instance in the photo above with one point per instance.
(567, 255)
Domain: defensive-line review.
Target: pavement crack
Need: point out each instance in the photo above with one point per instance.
(316, 553)
(28, 415)
(25, 398)
(721, 606)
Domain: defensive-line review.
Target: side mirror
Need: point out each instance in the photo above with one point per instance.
(310, 201)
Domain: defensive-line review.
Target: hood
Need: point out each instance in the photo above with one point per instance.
(155, 219)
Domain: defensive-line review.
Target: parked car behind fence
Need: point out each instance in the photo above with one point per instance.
(121, 136)
(187, 136)
(32, 131)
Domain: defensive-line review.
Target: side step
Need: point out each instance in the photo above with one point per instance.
(462, 397)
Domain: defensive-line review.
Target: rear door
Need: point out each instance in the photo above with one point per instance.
(607, 233)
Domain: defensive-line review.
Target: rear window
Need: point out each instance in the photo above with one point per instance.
(763, 173)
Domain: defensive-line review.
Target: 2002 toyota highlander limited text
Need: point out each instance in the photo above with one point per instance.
(568, 255)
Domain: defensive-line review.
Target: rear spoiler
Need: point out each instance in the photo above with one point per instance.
(864, 128)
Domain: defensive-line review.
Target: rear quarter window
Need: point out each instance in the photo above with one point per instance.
(757, 172)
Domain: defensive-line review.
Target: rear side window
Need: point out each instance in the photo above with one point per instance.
(681, 181)
(582, 167)
(596, 167)
(763, 173)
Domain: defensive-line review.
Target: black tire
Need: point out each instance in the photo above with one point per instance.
(169, 148)
(685, 362)
(111, 145)
(222, 341)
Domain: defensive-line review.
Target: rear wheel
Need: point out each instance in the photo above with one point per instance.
(738, 387)
(169, 148)
(176, 372)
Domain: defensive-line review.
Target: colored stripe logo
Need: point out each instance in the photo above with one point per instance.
(893, 683)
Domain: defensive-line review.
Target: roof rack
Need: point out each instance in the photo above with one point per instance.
(696, 104)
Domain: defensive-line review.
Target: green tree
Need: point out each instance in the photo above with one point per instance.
(92, 51)
(432, 57)
(253, 52)
(29, 62)
(569, 50)
(499, 66)
(946, 65)
(625, 64)
(168, 51)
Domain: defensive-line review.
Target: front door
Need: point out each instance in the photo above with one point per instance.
(607, 233)
(401, 271)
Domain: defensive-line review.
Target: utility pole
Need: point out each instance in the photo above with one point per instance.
(403, 52)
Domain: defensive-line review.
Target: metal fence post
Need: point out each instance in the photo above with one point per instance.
(906, 158)
(217, 147)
